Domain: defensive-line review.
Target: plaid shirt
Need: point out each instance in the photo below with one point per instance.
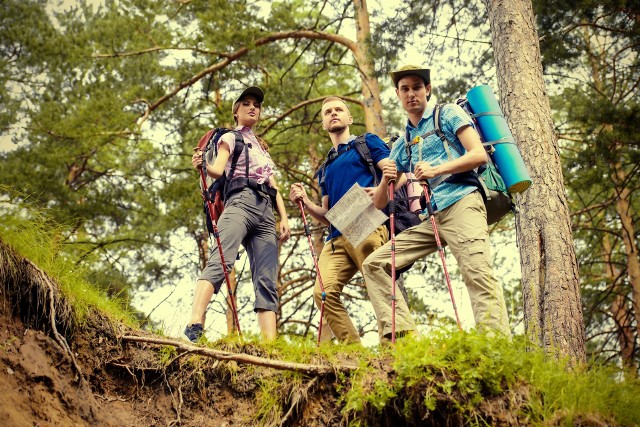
(431, 150)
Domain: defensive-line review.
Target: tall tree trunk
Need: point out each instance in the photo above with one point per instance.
(203, 255)
(623, 209)
(370, 87)
(550, 281)
(203, 248)
(620, 309)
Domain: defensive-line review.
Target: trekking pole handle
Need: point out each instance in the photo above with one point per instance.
(426, 189)
(203, 165)
(392, 202)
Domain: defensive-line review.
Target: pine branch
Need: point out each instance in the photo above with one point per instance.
(231, 57)
(301, 105)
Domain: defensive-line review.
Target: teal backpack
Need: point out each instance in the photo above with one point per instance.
(498, 201)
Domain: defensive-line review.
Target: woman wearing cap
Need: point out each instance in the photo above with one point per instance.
(247, 219)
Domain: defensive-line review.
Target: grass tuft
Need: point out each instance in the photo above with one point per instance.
(459, 373)
(33, 234)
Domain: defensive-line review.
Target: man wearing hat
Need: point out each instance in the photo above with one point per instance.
(460, 213)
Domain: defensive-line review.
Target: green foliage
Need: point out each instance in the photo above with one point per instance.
(562, 24)
(461, 371)
(445, 375)
(167, 353)
(79, 81)
(76, 86)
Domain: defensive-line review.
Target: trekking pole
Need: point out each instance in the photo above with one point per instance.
(392, 225)
(216, 235)
(307, 231)
(432, 217)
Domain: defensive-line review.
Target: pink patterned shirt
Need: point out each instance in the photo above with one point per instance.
(261, 167)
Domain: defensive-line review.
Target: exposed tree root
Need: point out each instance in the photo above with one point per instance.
(298, 399)
(59, 339)
(32, 287)
(305, 368)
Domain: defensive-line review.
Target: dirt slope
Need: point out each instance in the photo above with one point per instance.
(125, 385)
(54, 372)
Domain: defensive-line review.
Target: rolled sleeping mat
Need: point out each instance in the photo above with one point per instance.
(495, 131)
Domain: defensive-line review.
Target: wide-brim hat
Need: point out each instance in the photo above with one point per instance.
(410, 70)
(251, 90)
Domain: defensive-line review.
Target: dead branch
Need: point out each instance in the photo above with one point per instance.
(304, 368)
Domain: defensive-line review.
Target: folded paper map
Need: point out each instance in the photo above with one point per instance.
(355, 216)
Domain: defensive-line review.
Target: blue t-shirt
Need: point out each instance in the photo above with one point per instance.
(453, 118)
(348, 168)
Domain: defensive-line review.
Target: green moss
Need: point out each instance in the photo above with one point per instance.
(459, 372)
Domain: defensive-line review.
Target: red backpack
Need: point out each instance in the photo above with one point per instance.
(213, 190)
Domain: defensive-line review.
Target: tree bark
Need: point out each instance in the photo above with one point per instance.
(550, 279)
(231, 324)
(620, 310)
(624, 211)
(370, 87)
(203, 248)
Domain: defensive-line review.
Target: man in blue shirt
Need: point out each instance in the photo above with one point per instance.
(339, 260)
(460, 212)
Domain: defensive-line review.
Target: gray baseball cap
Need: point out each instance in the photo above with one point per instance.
(252, 90)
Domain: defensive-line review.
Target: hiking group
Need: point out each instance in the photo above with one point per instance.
(418, 162)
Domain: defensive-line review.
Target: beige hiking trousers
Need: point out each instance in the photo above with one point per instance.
(463, 228)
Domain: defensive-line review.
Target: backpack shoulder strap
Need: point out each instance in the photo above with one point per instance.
(437, 123)
(237, 150)
(361, 147)
(437, 129)
(210, 141)
(407, 146)
(321, 172)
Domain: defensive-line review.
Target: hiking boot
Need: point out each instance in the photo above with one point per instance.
(385, 341)
(194, 332)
